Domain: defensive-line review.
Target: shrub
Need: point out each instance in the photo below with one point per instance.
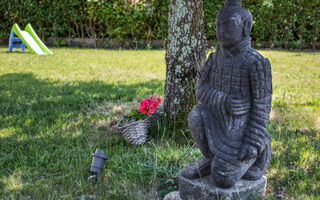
(281, 21)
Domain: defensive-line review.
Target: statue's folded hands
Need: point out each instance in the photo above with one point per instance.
(247, 152)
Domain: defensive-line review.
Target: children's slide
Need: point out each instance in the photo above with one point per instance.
(31, 39)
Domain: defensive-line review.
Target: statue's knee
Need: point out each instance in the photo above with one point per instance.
(195, 114)
(194, 118)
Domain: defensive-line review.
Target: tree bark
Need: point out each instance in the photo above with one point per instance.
(185, 56)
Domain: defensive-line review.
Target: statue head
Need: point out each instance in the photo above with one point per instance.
(234, 23)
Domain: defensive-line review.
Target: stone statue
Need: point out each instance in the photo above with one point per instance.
(234, 94)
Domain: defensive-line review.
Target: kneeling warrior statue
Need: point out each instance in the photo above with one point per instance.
(234, 94)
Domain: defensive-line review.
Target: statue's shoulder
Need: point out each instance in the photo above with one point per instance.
(255, 61)
(251, 56)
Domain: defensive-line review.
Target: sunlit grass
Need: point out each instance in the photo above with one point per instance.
(55, 110)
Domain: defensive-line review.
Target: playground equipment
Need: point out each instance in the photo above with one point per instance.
(15, 42)
(28, 38)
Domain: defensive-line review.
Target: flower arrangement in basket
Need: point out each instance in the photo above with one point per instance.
(134, 127)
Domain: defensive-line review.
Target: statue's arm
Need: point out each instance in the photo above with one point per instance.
(204, 91)
(261, 94)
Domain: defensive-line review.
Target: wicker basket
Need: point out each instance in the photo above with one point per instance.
(134, 132)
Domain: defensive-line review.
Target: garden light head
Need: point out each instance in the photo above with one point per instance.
(99, 158)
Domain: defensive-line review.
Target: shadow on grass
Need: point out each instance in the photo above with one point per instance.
(33, 106)
(44, 131)
(294, 167)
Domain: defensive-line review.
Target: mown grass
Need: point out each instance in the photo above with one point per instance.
(55, 110)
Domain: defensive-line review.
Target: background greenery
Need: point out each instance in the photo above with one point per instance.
(286, 23)
(55, 110)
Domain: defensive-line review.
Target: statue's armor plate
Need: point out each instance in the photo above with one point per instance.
(228, 75)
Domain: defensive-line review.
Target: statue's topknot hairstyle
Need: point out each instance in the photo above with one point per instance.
(233, 3)
(234, 7)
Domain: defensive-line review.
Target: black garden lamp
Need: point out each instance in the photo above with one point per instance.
(98, 160)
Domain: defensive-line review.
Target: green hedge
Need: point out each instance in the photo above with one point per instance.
(84, 18)
(275, 20)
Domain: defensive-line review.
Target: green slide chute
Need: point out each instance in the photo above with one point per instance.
(31, 39)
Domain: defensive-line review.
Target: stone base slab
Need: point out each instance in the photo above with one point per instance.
(175, 195)
(203, 189)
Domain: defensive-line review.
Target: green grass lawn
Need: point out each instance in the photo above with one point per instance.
(56, 110)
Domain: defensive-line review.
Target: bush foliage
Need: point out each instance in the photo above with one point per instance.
(275, 20)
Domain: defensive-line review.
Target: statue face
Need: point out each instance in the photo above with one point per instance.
(229, 30)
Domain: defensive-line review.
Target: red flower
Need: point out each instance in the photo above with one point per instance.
(149, 105)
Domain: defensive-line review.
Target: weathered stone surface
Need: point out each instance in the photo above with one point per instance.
(203, 189)
(175, 195)
(234, 94)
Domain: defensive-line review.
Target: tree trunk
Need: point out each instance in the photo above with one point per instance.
(185, 55)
